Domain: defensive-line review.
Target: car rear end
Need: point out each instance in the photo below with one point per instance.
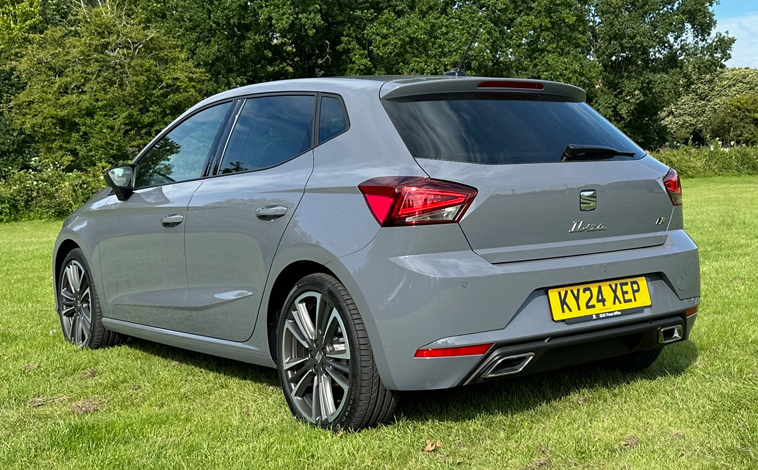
(518, 254)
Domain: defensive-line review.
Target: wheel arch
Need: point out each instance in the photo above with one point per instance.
(282, 286)
(64, 248)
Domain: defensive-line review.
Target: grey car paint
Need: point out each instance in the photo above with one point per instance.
(230, 249)
(132, 239)
(414, 286)
(525, 211)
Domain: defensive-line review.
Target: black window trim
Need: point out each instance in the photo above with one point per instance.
(217, 166)
(315, 123)
(217, 151)
(318, 117)
(211, 151)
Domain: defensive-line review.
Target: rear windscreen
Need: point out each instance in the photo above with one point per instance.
(493, 128)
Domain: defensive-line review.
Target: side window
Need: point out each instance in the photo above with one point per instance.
(332, 120)
(181, 154)
(269, 130)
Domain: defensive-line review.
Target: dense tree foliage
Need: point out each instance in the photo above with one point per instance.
(648, 51)
(18, 20)
(99, 91)
(86, 83)
(719, 105)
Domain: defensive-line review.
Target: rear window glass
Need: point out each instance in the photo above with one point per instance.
(497, 129)
(332, 120)
(269, 131)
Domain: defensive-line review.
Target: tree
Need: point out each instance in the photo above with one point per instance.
(649, 51)
(99, 90)
(18, 20)
(545, 39)
(737, 121)
(705, 110)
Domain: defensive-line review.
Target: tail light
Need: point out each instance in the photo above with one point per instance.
(673, 186)
(477, 350)
(410, 200)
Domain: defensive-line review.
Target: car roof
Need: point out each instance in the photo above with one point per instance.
(394, 86)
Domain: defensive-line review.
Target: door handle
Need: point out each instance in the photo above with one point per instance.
(172, 220)
(270, 212)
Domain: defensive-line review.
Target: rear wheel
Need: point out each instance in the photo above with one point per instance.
(324, 357)
(79, 307)
(637, 361)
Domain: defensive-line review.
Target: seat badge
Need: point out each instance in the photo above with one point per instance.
(588, 200)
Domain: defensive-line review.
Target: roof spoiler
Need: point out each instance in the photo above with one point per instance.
(436, 85)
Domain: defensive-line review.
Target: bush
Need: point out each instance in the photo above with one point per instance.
(712, 160)
(53, 193)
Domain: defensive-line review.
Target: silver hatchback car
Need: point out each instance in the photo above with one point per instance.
(379, 234)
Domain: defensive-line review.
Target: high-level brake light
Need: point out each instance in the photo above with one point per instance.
(506, 84)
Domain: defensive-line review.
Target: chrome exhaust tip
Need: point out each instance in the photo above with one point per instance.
(670, 334)
(508, 365)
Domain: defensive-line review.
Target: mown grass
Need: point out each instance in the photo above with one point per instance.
(143, 405)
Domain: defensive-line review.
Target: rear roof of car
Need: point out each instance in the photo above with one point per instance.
(397, 86)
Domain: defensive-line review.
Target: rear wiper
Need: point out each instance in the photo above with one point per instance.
(591, 152)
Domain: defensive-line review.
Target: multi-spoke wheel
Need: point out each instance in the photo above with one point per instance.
(324, 357)
(76, 303)
(78, 307)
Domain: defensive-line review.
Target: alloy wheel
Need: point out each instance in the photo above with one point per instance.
(76, 304)
(315, 357)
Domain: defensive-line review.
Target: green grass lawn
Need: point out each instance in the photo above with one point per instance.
(143, 405)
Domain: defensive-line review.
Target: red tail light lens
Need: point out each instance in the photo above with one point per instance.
(673, 186)
(477, 350)
(410, 200)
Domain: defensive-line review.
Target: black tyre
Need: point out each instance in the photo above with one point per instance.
(79, 307)
(326, 366)
(637, 361)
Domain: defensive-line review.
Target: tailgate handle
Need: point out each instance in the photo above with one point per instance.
(270, 212)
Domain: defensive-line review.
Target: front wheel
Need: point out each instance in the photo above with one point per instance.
(325, 362)
(79, 307)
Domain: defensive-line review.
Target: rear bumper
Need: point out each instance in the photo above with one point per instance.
(440, 294)
(508, 360)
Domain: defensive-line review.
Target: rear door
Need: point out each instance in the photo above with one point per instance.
(237, 218)
(531, 203)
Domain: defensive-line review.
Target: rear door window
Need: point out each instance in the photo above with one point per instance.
(269, 130)
(491, 128)
(332, 119)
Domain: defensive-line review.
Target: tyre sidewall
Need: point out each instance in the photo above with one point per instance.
(77, 255)
(319, 284)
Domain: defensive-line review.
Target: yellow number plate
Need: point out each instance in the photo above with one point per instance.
(601, 297)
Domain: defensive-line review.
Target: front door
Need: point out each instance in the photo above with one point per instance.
(142, 256)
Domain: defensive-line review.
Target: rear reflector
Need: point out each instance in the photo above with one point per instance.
(411, 200)
(691, 311)
(518, 85)
(673, 186)
(477, 350)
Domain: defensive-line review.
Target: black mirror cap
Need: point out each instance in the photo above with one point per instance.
(121, 192)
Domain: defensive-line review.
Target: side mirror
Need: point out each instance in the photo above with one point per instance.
(121, 180)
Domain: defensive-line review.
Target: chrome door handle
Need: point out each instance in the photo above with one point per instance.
(270, 212)
(172, 220)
